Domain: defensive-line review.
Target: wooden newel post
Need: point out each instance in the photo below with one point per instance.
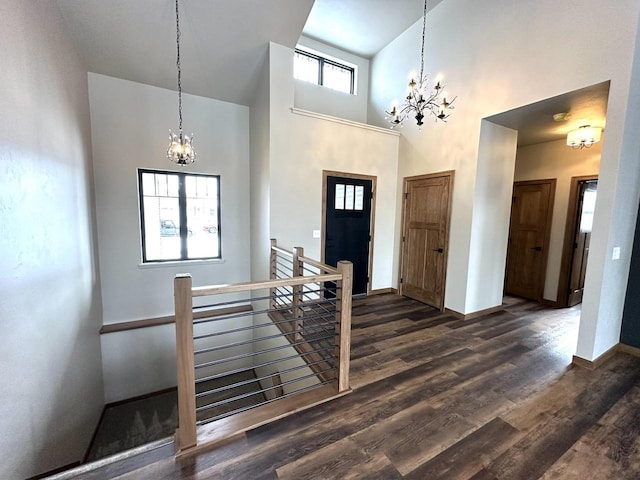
(343, 328)
(186, 433)
(272, 272)
(297, 271)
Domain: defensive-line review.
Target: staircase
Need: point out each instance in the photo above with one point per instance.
(131, 423)
(231, 392)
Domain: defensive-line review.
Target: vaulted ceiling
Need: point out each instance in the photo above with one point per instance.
(224, 43)
(363, 27)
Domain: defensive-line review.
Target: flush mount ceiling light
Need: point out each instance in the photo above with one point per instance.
(421, 98)
(584, 137)
(561, 117)
(180, 150)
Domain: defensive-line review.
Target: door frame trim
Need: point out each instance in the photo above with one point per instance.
(562, 297)
(405, 180)
(553, 182)
(323, 231)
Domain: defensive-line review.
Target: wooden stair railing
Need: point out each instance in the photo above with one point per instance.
(299, 265)
(186, 433)
(343, 328)
(296, 337)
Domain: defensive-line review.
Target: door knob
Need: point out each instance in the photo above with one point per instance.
(537, 248)
(439, 250)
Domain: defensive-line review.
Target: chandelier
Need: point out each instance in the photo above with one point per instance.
(583, 137)
(421, 100)
(180, 150)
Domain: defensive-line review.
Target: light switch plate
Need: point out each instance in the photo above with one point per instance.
(616, 253)
(316, 234)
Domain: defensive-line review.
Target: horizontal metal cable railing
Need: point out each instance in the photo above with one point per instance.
(294, 339)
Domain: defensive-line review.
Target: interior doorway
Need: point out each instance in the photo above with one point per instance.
(529, 232)
(582, 200)
(348, 218)
(426, 216)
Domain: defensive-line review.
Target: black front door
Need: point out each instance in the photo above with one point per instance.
(347, 227)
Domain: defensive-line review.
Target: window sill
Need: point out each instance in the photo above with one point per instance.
(181, 263)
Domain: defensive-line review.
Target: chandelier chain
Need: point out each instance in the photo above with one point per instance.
(424, 29)
(178, 66)
(180, 149)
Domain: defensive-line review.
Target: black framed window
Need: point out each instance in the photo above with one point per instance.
(313, 68)
(179, 216)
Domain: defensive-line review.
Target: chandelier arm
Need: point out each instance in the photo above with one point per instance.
(405, 109)
(451, 102)
(409, 105)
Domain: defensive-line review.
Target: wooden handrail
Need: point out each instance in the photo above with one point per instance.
(302, 258)
(157, 321)
(321, 266)
(343, 328)
(282, 250)
(186, 433)
(247, 286)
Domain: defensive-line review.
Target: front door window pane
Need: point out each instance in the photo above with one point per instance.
(348, 196)
(359, 197)
(339, 204)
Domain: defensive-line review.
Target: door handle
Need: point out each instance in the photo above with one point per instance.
(537, 248)
(439, 250)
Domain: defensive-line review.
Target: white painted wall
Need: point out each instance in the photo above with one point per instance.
(50, 313)
(332, 102)
(495, 65)
(556, 160)
(130, 124)
(137, 362)
(614, 222)
(491, 213)
(302, 147)
(259, 173)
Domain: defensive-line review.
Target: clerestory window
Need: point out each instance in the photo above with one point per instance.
(313, 68)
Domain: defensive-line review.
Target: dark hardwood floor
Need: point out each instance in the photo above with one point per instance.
(440, 398)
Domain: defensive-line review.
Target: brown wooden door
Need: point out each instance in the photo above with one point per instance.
(529, 230)
(426, 216)
(582, 239)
